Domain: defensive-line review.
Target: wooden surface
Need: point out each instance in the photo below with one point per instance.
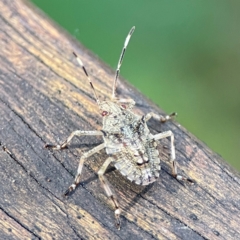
(44, 96)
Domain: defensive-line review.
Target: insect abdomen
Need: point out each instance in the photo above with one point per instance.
(141, 172)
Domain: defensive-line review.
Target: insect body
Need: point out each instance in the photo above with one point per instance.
(132, 149)
(131, 145)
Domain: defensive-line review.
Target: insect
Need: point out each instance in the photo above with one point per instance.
(130, 146)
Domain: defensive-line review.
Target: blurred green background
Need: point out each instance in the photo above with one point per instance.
(184, 55)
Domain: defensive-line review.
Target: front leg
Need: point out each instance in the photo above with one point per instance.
(75, 133)
(159, 117)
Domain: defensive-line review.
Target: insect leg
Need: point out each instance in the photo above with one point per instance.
(108, 190)
(173, 158)
(80, 166)
(159, 117)
(75, 133)
(126, 100)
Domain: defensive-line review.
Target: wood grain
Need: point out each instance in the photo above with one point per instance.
(44, 96)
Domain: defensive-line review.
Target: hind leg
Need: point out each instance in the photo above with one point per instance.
(80, 166)
(109, 192)
(172, 158)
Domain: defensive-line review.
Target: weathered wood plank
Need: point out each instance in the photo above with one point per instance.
(44, 96)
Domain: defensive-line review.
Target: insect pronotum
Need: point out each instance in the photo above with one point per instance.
(132, 149)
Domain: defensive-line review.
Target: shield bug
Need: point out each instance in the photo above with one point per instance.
(130, 146)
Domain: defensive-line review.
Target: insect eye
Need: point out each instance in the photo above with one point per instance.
(104, 113)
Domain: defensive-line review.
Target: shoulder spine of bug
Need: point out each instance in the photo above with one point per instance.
(132, 149)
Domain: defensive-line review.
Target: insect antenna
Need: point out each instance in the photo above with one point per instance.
(120, 61)
(86, 73)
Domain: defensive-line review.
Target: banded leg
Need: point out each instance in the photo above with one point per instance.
(126, 100)
(75, 133)
(108, 190)
(159, 117)
(80, 166)
(173, 158)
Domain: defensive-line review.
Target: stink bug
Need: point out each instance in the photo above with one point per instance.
(132, 149)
